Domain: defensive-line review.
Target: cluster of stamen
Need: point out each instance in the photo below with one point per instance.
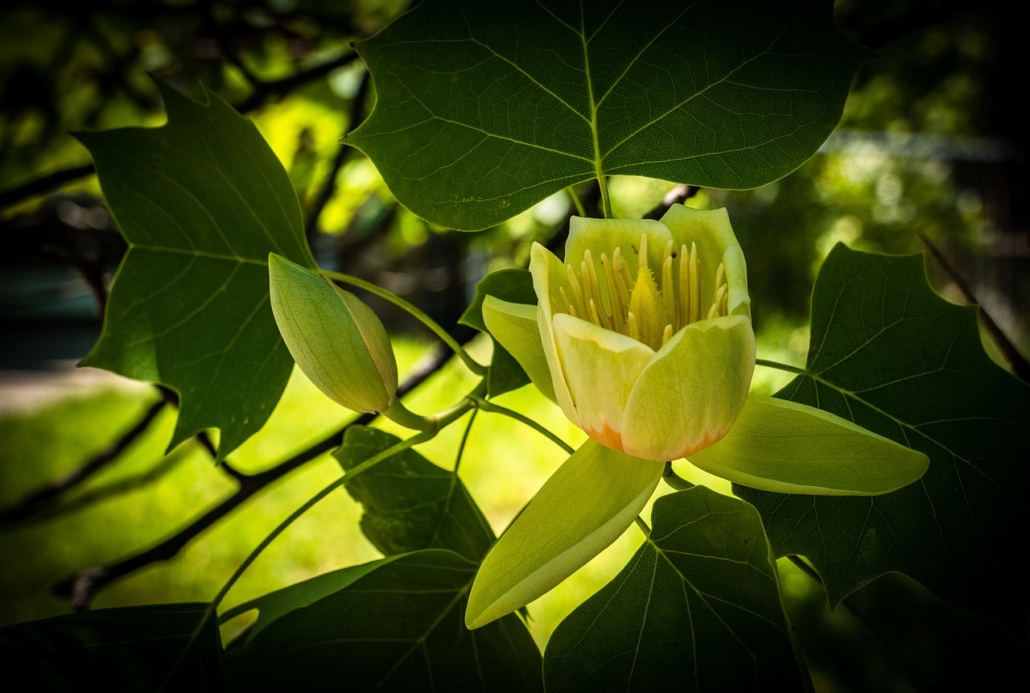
(636, 306)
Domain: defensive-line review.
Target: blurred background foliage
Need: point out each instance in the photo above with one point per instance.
(931, 149)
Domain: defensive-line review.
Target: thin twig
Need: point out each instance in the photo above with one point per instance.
(31, 504)
(1016, 360)
(674, 480)
(279, 88)
(83, 585)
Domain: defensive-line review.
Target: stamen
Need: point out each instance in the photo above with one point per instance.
(695, 285)
(594, 316)
(726, 300)
(667, 334)
(720, 277)
(717, 304)
(684, 288)
(577, 290)
(565, 297)
(631, 324)
(618, 311)
(595, 289)
(668, 288)
(623, 278)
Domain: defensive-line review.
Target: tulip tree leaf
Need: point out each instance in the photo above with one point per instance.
(515, 285)
(125, 649)
(484, 109)
(895, 358)
(697, 608)
(201, 202)
(410, 503)
(399, 627)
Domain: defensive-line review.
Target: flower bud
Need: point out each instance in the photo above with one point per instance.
(337, 341)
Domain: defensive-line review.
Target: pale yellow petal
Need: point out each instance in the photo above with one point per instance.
(585, 506)
(548, 274)
(515, 328)
(601, 368)
(787, 447)
(693, 390)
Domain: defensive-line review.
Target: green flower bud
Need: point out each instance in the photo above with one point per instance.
(337, 341)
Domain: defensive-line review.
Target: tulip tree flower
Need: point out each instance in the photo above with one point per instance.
(643, 337)
(337, 341)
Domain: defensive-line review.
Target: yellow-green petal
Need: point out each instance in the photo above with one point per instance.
(690, 394)
(600, 368)
(585, 506)
(515, 328)
(548, 274)
(716, 242)
(337, 341)
(788, 447)
(605, 235)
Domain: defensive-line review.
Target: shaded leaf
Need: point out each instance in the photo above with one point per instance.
(400, 627)
(515, 285)
(201, 201)
(892, 356)
(126, 649)
(274, 605)
(409, 502)
(484, 109)
(696, 609)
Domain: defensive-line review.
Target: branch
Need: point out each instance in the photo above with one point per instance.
(678, 195)
(328, 189)
(1016, 360)
(31, 504)
(83, 585)
(279, 88)
(45, 184)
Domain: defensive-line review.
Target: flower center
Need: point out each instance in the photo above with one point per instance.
(640, 307)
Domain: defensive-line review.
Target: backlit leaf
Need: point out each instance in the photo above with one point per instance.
(399, 627)
(696, 609)
(201, 201)
(484, 108)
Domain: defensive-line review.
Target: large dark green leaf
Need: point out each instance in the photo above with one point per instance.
(201, 202)
(410, 503)
(892, 356)
(515, 285)
(399, 627)
(126, 649)
(485, 108)
(696, 609)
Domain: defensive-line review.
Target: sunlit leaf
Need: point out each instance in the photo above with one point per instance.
(895, 358)
(696, 609)
(127, 649)
(484, 109)
(201, 201)
(399, 627)
(409, 502)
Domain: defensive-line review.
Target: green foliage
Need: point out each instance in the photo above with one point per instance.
(202, 202)
(895, 358)
(410, 503)
(126, 649)
(398, 627)
(485, 109)
(697, 608)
